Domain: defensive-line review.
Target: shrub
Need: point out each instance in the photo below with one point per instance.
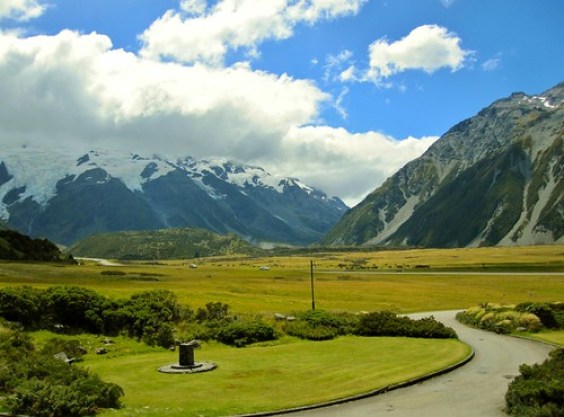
(386, 323)
(530, 322)
(320, 325)
(539, 390)
(304, 330)
(502, 319)
(213, 311)
(38, 384)
(149, 315)
(71, 348)
(241, 333)
(75, 307)
(542, 311)
(22, 305)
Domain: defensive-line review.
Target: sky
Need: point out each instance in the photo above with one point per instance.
(338, 93)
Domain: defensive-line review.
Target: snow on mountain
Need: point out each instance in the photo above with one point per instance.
(36, 184)
(40, 179)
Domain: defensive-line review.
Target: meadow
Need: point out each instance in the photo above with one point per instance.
(291, 372)
(400, 281)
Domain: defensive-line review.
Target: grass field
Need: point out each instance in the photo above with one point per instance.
(290, 372)
(554, 337)
(455, 278)
(283, 374)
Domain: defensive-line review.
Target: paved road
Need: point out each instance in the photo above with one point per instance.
(474, 390)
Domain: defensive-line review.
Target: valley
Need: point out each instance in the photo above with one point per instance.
(402, 281)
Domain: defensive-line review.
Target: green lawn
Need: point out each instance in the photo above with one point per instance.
(286, 374)
(555, 337)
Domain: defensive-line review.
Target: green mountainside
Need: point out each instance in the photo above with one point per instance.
(162, 244)
(494, 179)
(19, 247)
(3, 225)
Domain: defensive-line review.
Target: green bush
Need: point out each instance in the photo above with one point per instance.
(241, 332)
(71, 348)
(148, 315)
(539, 390)
(386, 323)
(506, 319)
(320, 325)
(37, 384)
(21, 304)
(543, 311)
(304, 330)
(75, 307)
(213, 312)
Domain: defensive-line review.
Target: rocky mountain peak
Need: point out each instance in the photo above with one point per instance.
(495, 178)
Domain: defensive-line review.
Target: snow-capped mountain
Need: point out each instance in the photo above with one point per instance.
(494, 179)
(66, 196)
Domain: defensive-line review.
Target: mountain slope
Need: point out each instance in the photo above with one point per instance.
(67, 196)
(19, 247)
(493, 179)
(162, 244)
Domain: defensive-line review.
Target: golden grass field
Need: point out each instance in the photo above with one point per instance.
(455, 279)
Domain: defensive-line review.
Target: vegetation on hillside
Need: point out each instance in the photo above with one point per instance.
(16, 246)
(162, 244)
(539, 390)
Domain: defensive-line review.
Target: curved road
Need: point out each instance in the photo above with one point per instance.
(474, 390)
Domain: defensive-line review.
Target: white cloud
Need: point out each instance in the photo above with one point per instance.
(334, 64)
(491, 64)
(427, 48)
(193, 7)
(206, 36)
(339, 103)
(22, 10)
(73, 89)
(346, 164)
(76, 91)
(349, 74)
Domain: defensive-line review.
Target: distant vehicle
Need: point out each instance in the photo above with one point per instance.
(264, 268)
(193, 266)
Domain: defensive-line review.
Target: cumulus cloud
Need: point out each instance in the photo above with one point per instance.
(77, 91)
(21, 10)
(73, 88)
(346, 164)
(195, 34)
(427, 48)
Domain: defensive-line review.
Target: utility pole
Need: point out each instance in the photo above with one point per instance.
(311, 265)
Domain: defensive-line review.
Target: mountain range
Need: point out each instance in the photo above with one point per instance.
(494, 179)
(66, 196)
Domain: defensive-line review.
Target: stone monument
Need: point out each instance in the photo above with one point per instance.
(186, 363)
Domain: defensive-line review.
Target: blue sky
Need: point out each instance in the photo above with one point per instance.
(339, 93)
